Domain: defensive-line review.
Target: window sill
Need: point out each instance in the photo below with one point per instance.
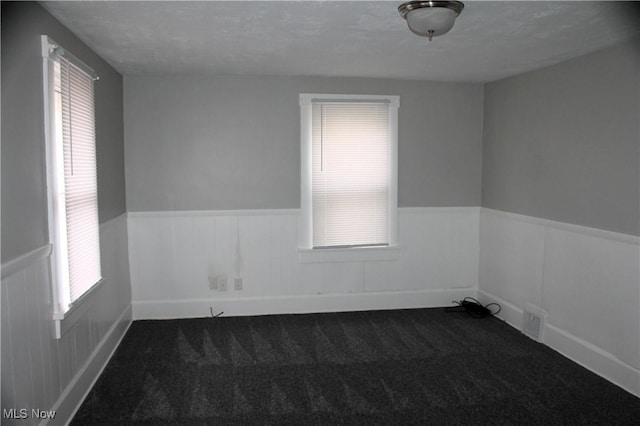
(64, 321)
(356, 254)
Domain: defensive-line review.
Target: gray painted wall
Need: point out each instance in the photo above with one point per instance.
(233, 142)
(562, 143)
(24, 202)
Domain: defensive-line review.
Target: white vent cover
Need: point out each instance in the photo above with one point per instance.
(533, 320)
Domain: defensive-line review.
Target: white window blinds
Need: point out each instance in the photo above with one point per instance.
(75, 123)
(350, 175)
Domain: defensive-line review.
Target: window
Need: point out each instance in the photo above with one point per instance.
(71, 176)
(349, 171)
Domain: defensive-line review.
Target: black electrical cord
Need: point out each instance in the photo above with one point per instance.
(473, 308)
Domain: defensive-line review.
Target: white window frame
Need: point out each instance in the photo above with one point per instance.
(353, 254)
(65, 312)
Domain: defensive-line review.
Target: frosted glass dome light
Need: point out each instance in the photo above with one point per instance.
(430, 18)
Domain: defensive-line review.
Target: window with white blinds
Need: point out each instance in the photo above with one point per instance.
(352, 182)
(72, 162)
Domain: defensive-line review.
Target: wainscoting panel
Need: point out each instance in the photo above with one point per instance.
(592, 291)
(176, 255)
(587, 280)
(40, 371)
(511, 259)
(439, 251)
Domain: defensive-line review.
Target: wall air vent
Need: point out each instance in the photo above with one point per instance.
(533, 321)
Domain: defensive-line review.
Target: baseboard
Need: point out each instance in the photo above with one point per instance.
(593, 358)
(579, 351)
(197, 308)
(509, 312)
(73, 396)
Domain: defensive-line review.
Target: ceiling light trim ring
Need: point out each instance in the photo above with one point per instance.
(407, 7)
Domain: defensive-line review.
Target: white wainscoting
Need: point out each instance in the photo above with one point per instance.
(41, 372)
(587, 280)
(173, 254)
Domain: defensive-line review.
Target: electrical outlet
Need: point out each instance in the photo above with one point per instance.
(237, 284)
(222, 282)
(213, 283)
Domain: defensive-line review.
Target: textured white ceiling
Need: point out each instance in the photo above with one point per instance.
(489, 41)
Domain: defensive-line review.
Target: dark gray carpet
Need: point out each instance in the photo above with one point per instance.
(422, 366)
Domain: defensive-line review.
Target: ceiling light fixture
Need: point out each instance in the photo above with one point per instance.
(430, 18)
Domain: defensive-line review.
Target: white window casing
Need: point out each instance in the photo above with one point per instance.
(348, 173)
(71, 177)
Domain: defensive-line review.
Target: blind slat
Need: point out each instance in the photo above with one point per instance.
(350, 173)
(80, 179)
